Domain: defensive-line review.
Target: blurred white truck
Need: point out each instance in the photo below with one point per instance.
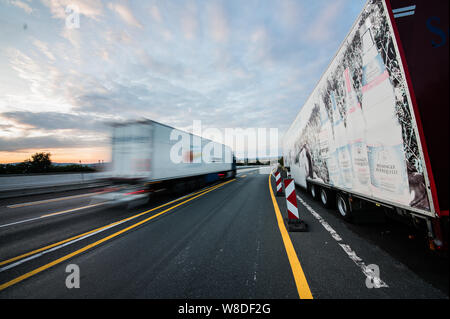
(148, 156)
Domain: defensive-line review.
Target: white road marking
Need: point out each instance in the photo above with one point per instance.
(378, 283)
(21, 261)
(60, 246)
(72, 210)
(51, 200)
(52, 214)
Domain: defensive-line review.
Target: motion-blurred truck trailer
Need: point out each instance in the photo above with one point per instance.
(375, 128)
(149, 157)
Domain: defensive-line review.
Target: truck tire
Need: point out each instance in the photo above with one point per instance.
(326, 197)
(343, 206)
(314, 190)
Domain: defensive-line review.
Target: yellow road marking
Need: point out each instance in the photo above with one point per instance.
(100, 228)
(79, 251)
(299, 276)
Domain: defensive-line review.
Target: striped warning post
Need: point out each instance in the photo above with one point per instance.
(291, 199)
(294, 221)
(279, 184)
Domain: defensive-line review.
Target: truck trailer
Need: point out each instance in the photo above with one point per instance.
(374, 131)
(149, 157)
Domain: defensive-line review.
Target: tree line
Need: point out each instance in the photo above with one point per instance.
(41, 163)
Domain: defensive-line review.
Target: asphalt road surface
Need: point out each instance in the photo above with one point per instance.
(223, 241)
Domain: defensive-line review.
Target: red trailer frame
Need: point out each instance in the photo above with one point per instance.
(412, 13)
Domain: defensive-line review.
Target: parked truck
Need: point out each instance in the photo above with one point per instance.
(375, 131)
(148, 157)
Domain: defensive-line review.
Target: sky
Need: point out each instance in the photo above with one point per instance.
(228, 64)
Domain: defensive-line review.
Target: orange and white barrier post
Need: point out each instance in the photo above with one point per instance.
(279, 184)
(295, 224)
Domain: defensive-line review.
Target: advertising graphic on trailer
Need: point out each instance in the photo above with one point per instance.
(356, 131)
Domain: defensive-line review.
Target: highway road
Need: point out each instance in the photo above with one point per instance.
(227, 240)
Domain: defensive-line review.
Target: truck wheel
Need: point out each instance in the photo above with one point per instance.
(326, 198)
(314, 191)
(343, 206)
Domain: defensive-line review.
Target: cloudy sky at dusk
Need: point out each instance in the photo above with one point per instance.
(228, 63)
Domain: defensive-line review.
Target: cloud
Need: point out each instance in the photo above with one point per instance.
(259, 35)
(45, 87)
(290, 13)
(73, 36)
(229, 64)
(46, 142)
(125, 14)
(22, 5)
(189, 23)
(5, 127)
(218, 24)
(322, 29)
(90, 8)
(43, 47)
(104, 54)
(33, 72)
(49, 121)
(156, 15)
(118, 37)
(48, 130)
(156, 96)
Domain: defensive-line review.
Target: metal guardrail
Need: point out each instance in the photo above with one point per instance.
(15, 182)
(21, 185)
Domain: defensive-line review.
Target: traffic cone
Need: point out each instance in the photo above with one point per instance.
(295, 224)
